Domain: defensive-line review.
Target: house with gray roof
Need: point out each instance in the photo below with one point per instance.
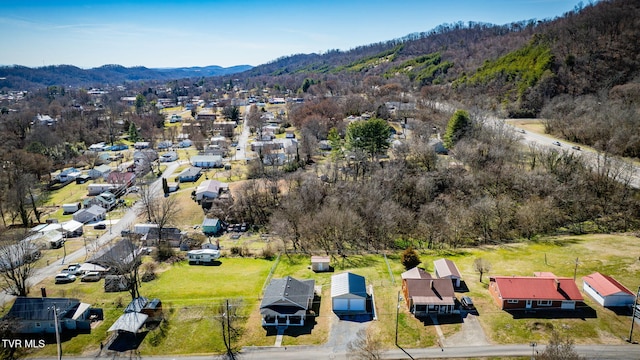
(287, 302)
(93, 213)
(36, 315)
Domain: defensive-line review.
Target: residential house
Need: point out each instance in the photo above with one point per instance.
(125, 179)
(123, 252)
(45, 120)
(207, 161)
(426, 296)
(203, 256)
(105, 199)
(416, 273)
(97, 189)
(349, 294)
(141, 145)
(171, 235)
(72, 228)
(210, 189)
(190, 174)
(101, 146)
(206, 116)
(169, 156)
(36, 315)
(530, 292)
(93, 213)
(164, 144)
(447, 269)
(69, 174)
(286, 302)
(211, 226)
(320, 263)
(606, 291)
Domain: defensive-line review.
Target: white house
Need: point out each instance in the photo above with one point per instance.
(606, 291)
(169, 157)
(207, 161)
(210, 189)
(348, 294)
(100, 171)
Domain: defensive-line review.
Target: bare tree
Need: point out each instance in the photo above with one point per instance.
(227, 317)
(559, 347)
(365, 346)
(482, 266)
(16, 266)
(124, 259)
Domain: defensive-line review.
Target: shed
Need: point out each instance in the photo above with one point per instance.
(129, 322)
(348, 294)
(211, 226)
(606, 291)
(71, 208)
(320, 263)
(447, 269)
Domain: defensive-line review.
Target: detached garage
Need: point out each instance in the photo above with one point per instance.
(606, 291)
(349, 294)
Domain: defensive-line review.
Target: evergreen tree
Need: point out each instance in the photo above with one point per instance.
(371, 136)
(133, 133)
(457, 126)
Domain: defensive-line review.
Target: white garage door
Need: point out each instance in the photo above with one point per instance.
(568, 305)
(341, 304)
(357, 305)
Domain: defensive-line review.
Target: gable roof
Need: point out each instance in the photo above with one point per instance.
(416, 273)
(190, 172)
(348, 283)
(130, 322)
(446, 268)
(605, 285)
(210, 222)
(536, 288)
(211, 186)
(430, 291)
(287, 296)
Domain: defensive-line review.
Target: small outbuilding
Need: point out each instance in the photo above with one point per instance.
(211, 226)
(606, 291)
(71, 208)
(349, 294)
(320, 263)
(447, 269)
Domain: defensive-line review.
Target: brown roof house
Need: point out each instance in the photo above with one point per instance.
(427, 296)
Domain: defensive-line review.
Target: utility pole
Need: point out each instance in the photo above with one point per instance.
(397, 314)
(575, 270)
(55, 322)
(633, 315)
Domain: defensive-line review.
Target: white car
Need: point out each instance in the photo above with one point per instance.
(91, 276)
(556, 143)
(64, 278)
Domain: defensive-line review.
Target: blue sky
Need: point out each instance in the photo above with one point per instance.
(163, 33)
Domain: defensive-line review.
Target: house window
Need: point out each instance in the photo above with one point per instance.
(511, 301)
(37, 324)
(544, 302)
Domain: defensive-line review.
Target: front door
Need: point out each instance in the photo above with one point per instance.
(528, 305)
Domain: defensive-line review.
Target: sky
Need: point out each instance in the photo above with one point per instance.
(168, 33)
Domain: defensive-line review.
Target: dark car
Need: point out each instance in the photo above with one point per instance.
(100, 227)
(467, 303)
(575, 147)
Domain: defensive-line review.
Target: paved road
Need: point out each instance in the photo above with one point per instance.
(600, 352)
(126, 222)
(243, 139)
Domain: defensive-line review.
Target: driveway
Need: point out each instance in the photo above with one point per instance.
(471, 333)
(344, 331)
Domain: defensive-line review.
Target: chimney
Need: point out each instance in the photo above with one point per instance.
(557, 284)
(431, 284)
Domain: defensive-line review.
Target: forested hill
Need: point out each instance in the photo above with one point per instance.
(524, 64)
(25, 78)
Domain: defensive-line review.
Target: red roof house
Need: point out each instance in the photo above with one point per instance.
(525, 292)
(606, 291)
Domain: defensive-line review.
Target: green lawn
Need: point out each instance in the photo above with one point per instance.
(190, 293)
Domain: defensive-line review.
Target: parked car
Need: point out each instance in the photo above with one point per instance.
(522, 131)
(467, 303)
(64, 278)
(91, 276)
(556, 143)
(73, 269)
(100, 227)
(575, 147)
(119, 147)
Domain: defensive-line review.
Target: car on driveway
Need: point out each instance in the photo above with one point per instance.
(556, 143)
(64, 278)
(100, 227)
(467, 303)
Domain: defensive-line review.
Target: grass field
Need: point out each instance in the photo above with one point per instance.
(190, 294)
